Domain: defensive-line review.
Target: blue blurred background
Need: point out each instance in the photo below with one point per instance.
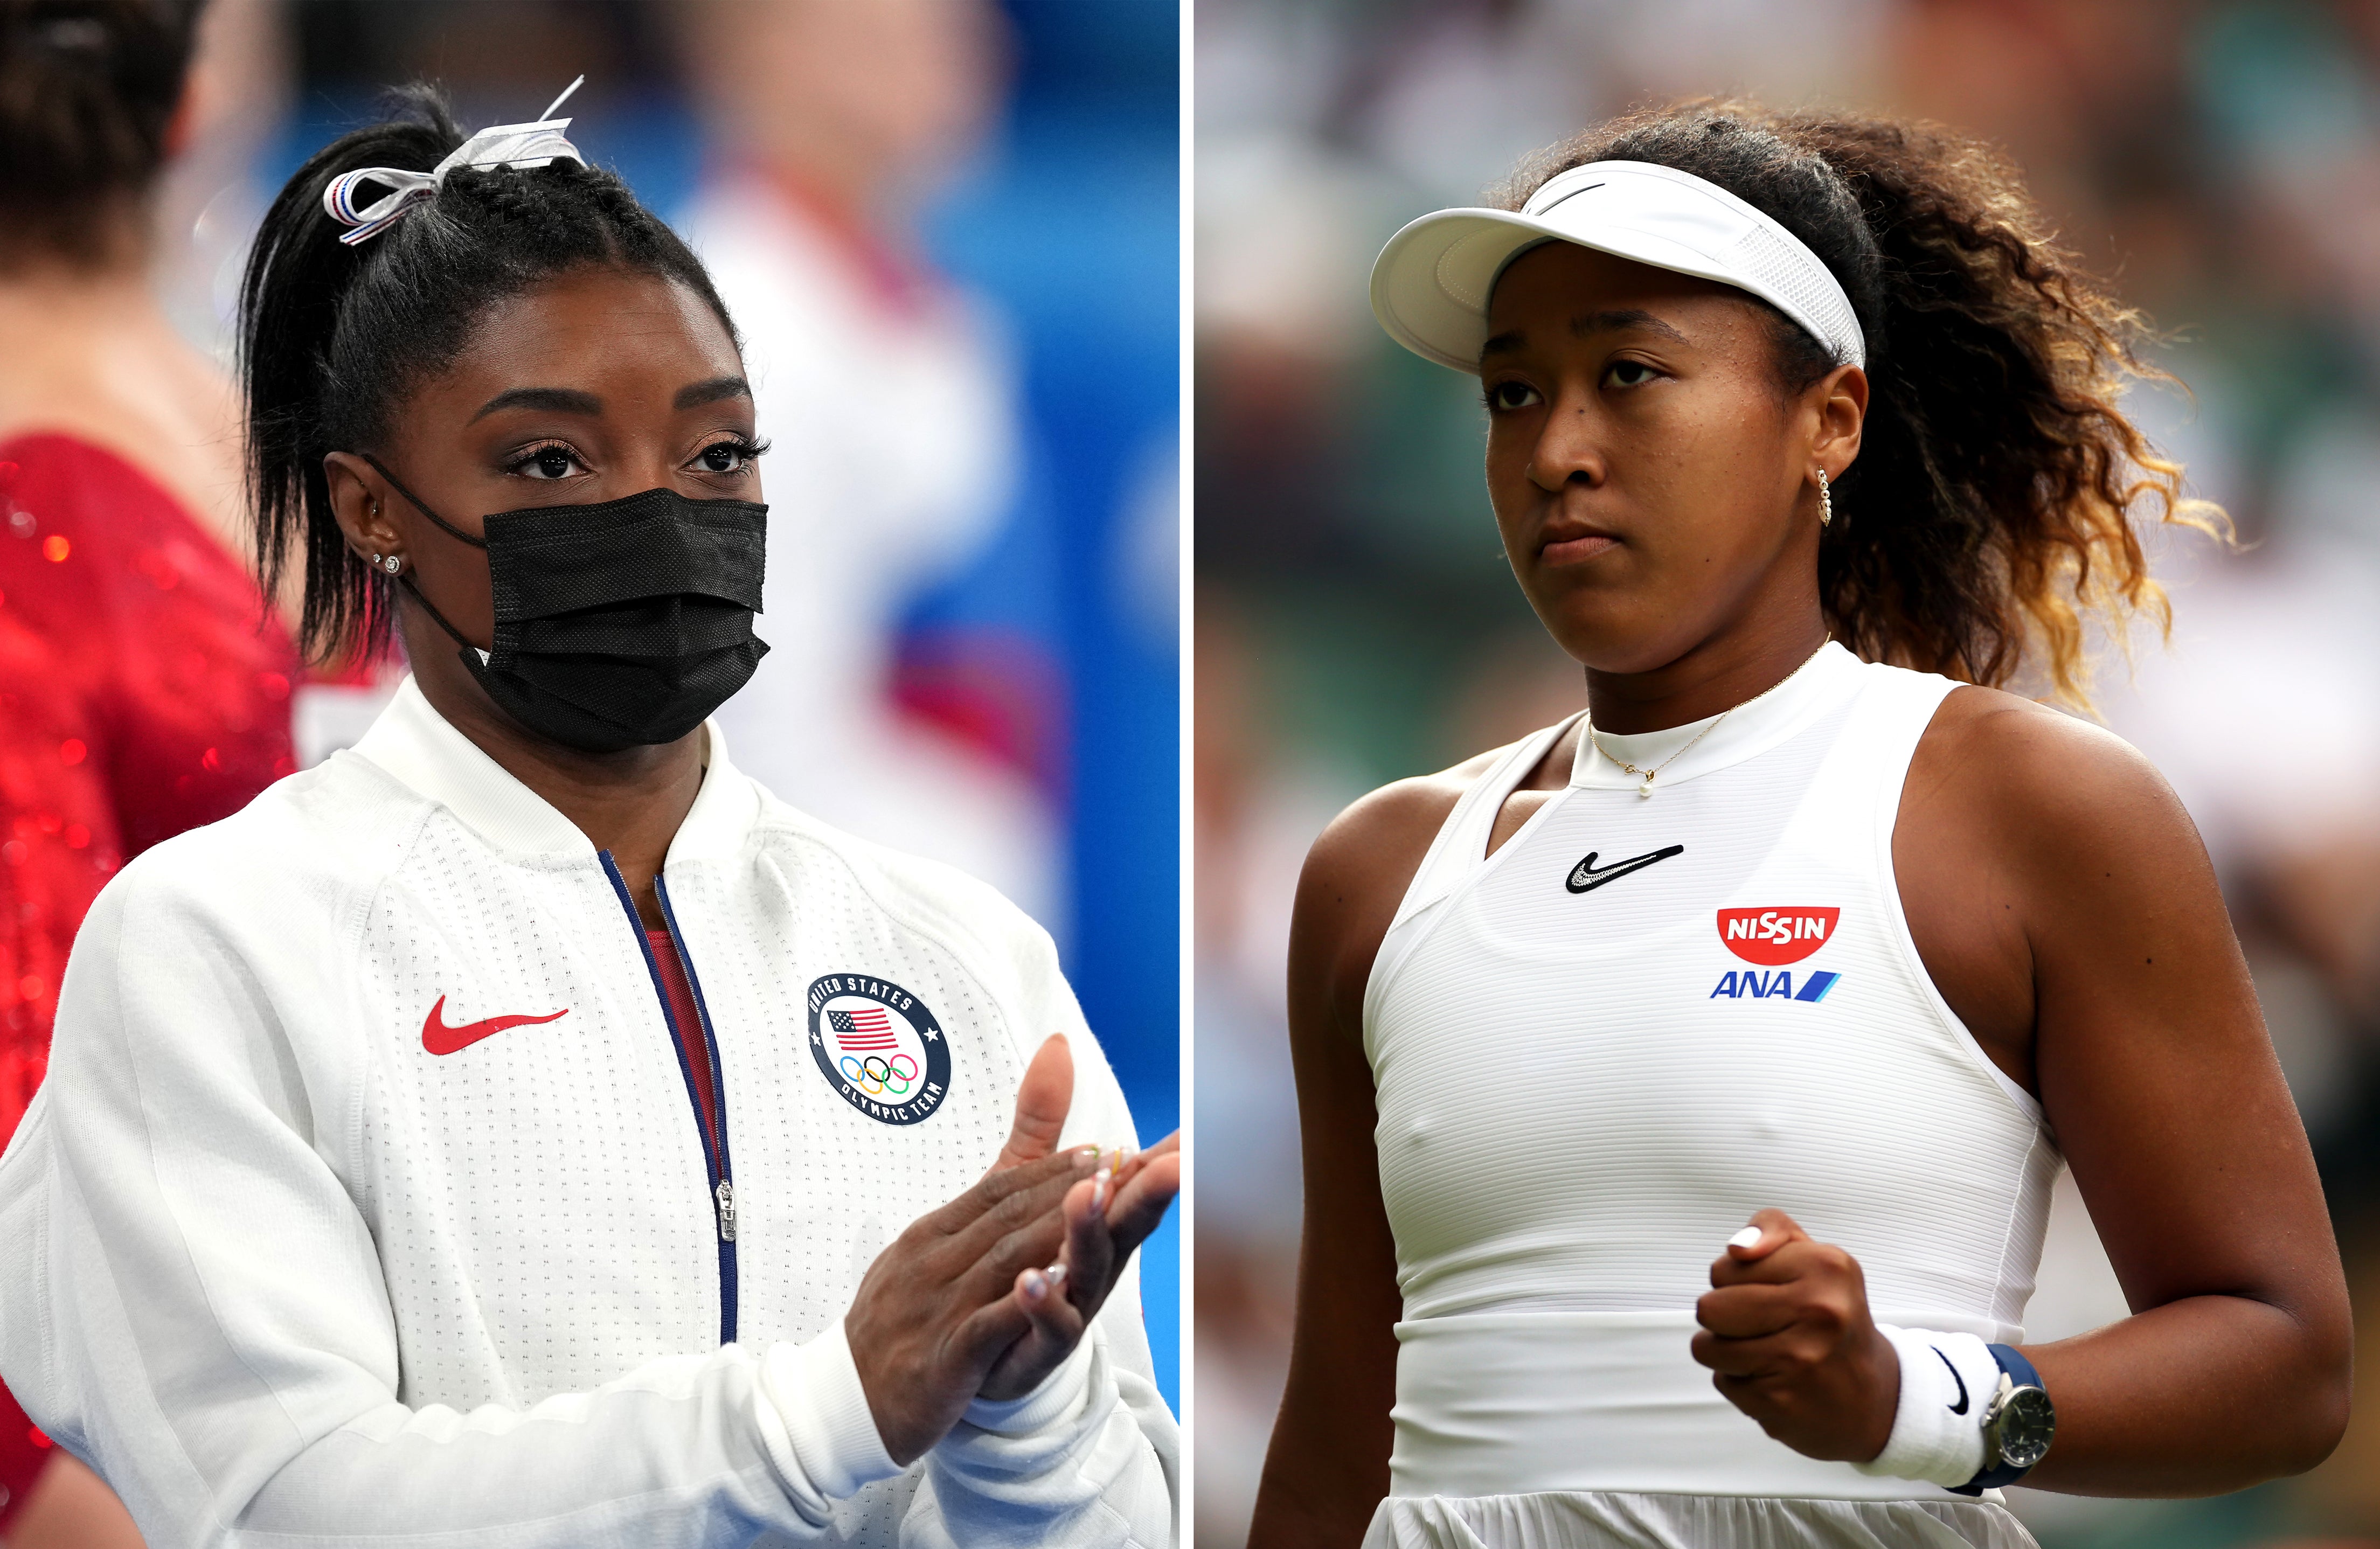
(1021, 669)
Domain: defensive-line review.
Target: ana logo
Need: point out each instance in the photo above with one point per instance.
(1773, 938)
(1748, 986)
(879, 1047)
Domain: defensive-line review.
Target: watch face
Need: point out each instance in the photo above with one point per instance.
(2024, 1425)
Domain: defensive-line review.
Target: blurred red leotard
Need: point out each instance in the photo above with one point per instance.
(143, 690)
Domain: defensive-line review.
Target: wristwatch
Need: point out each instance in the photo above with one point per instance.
(2017, 1424)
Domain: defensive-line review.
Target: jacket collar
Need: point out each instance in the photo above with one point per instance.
(421, 749)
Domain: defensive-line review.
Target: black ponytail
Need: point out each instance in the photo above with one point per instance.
(333, 337)
(1991, 507)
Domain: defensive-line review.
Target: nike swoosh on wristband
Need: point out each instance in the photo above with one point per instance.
(1960, 1407)
(438, 1038)
(1585, 877)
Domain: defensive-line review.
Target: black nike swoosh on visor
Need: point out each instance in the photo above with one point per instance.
(1585, 877)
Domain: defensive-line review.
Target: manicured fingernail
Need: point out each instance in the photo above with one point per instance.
(1088, 1156)
(1057, 1273)
(1099, 1192)
(1037, 1285)
(1748, 1238)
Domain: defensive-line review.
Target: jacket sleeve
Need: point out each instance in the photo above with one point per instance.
(1091, 1458)
(193, 1304)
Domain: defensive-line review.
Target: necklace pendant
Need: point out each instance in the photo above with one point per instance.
(1645, 791)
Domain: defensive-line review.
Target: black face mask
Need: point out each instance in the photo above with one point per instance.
(618, 625)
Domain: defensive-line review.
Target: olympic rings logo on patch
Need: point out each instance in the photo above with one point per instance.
(876, 1076)
(879, 1047)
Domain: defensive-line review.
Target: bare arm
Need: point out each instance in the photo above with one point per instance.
(1329, 1465)
(2151, 1060)
(2063, 904)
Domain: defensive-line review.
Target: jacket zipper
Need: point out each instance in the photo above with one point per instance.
(715, 1155)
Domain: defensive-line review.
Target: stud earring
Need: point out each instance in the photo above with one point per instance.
(1826, 500)
(391, 564)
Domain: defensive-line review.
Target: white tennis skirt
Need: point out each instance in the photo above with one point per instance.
(1611, 1519)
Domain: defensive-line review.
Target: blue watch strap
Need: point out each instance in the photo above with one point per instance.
(2021, 1373)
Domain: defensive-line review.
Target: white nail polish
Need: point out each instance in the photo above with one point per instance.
(1036, 1284)
(1748, 1238)
(1057, 1274)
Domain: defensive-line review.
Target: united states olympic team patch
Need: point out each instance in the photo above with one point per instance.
(879, 1047)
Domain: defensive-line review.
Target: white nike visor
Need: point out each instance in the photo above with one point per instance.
(1431, 283)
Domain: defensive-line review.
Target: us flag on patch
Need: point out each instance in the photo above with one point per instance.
(865, 1032)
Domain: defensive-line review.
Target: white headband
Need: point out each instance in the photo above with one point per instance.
(506, 145)
(1431, 283)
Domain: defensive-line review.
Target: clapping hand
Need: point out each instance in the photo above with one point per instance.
(1107, 1217)
(987, 1295)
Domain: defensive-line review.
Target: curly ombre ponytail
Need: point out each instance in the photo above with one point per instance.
(1990, 513)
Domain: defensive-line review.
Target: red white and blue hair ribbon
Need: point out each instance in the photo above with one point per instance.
(508, 145)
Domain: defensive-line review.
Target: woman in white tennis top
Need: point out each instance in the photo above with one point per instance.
(1682, 1087)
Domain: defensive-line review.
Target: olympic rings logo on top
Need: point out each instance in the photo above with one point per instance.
(878, 1076)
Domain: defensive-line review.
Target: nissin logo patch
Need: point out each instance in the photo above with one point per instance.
(1773, 938)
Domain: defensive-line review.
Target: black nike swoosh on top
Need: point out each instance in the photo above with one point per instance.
(1960, 1407)
(1585, 877)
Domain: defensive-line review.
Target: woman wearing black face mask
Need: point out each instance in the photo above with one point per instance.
(508, 1129)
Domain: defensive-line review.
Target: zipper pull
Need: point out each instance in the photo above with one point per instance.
(726, 1194)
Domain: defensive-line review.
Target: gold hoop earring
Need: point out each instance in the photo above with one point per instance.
(1826, 500)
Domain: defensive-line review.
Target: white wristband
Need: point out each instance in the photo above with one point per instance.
(1947, 1382)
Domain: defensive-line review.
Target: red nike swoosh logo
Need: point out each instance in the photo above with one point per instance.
(438, 1038)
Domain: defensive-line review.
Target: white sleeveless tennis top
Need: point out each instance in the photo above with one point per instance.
(1599, 1050)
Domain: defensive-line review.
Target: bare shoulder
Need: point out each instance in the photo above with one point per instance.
(1356, 873)
(2045, 784)
(1382, 837)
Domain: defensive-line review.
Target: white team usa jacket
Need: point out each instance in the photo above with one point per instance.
(366, 1198)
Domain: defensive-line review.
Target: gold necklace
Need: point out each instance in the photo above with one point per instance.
(1645, 790)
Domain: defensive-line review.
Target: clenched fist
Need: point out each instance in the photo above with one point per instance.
(1785, 1326)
